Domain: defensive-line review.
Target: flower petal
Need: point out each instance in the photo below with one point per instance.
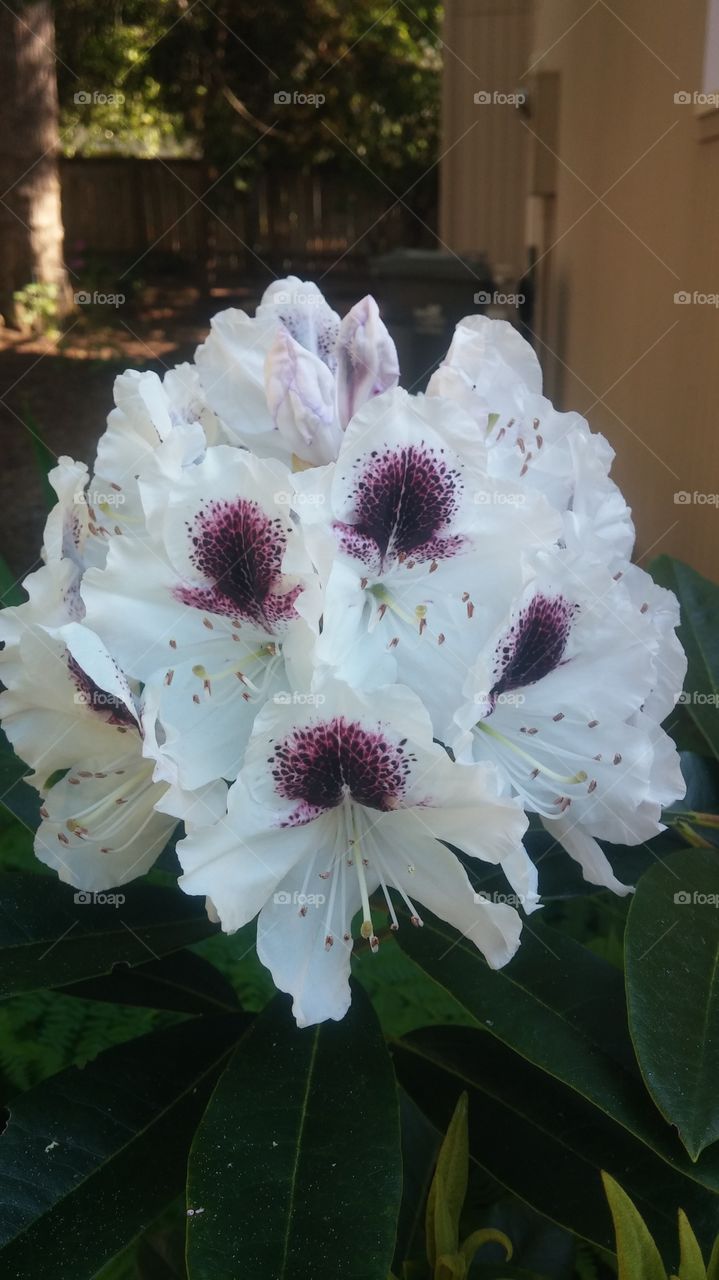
(300, 393)
(367, 359)
(100, 827)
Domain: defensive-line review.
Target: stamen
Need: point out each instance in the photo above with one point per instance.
(367, 928)
(581, 776)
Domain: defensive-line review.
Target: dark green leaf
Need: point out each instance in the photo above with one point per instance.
(50, 936)
(183, 982)
(561, 1007)
(543, 1142)
(295, 1170)
(91, 1156)
(699, 633)
(20, 799)
(672, 959)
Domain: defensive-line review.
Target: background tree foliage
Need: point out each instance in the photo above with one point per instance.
(202, 78)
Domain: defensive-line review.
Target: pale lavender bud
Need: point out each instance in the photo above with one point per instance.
(366, 359)
(300, 392)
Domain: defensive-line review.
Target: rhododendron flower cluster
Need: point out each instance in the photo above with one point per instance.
(343, 640)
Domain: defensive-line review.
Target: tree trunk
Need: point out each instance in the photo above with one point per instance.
(31, 235)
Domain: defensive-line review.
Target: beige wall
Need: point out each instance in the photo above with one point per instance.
(618, 335)
(617, 347)
(486, 49)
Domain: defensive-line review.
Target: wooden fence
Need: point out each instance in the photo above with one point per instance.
(129, 209)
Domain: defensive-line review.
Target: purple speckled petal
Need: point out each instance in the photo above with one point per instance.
(534, 645)
(239, 549)
(404, 499)
(318, 765)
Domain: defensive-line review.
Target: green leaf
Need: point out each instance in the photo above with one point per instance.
(449, 1187)
(699, 633)
(557, 1004)
(182, 982)
(20, 799)
(49, 936)
(637, 1254)
(90, 1156)
(295, 1169)
(672, 962)
(691, 1265)
(542, 1141)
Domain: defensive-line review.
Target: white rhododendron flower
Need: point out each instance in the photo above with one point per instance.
(348, 636)
(338, 798)
(68, 710)
(494, 374)
(288, 380)
(558, 698)
(208, 603)
(422, 542)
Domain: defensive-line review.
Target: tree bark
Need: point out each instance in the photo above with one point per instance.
(31, 233)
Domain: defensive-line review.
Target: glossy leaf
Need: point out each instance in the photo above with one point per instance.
(699, 600)
(543, 1142)
(50, 935)
(182, 982)
(637, 1255)
(295, 1169)
(558, 1005)
(90, 1156)
(672, 975)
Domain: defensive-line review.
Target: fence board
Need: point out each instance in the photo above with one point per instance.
(125, 207)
